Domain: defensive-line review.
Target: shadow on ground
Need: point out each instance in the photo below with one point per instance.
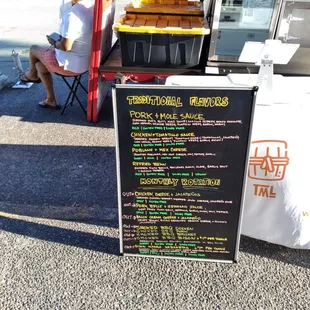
(69, 237)
(110, 245)
(59, 182)
(79, 184)
(23, 103)
(275, 252)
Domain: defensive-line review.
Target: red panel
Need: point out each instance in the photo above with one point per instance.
(100, 8)
(96, 52)
(93, 70)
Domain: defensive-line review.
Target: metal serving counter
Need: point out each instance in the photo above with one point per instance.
(234, 22)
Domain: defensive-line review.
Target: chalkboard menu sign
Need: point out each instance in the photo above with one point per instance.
(181, 159)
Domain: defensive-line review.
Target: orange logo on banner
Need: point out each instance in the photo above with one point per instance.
(268, 160)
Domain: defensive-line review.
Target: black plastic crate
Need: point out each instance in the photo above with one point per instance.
(161, 40)
(160, 50)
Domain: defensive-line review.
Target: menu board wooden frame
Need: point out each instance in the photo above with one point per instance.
(251, 93)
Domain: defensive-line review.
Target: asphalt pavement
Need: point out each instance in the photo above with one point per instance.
(59, 244)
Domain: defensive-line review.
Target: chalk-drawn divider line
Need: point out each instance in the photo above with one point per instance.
(203, 188)
(158, 187)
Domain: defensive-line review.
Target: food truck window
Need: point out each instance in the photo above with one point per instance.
(294, 26)
(238, 21)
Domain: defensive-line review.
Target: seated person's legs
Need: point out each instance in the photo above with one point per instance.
(32, 74)
(42, 63)
(47, 80)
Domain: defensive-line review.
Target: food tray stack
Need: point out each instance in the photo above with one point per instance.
(174, 7)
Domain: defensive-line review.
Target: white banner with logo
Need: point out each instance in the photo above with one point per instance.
(277, 206)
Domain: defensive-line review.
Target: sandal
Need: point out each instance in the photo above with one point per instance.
(44, 104)
(24, 79)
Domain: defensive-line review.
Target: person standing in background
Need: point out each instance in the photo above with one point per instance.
(69, 55)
